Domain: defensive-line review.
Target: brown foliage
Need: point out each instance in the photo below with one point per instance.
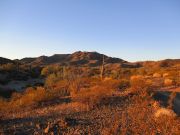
(93, 96)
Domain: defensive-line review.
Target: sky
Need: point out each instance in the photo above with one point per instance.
(133, 30)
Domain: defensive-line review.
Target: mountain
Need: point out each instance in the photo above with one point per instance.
(5, 60)
(91, 59)
(76, 59)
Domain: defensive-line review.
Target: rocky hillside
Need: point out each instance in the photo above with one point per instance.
(77, 59)
(5, 61)
(89, 59)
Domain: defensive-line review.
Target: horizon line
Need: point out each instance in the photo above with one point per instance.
(135, 61)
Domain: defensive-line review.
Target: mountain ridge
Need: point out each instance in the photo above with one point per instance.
(5, 60)
(78, 58)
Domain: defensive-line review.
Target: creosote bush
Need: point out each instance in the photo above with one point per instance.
(93, 96)
(124, 84)
(31, 98)
(138, 118)
(27, 99)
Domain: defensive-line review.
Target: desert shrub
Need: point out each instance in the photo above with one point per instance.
(75, 82)
(111, 84)
(137, 82)
(174, 76)
(8, 67)
(45, 71)
(168, 82)
(124, 84)
(142, 71)
(94, 72)
(70, 81)
(15, 96)
(61, 88)
(171, 100)
(91, 97)
(125, 73)
(51, 69)
(165, 75)
(164, 63)
(51, 80)
(135, 116)
(35, 72)
(94, 95)
(157, 75)
(31, 97)
(115, 74)
(75, 86)
(2, 103)
(139, 118)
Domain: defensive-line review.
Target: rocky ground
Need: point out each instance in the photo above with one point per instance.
(62, 116)
(68, 118)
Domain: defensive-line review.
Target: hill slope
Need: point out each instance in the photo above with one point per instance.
(5, 60)
(77, 59)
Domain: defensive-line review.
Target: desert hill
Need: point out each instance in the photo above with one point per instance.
(5, 60)
(76, 59)
(87, 59)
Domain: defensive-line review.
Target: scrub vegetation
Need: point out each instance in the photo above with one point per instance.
(90, 93)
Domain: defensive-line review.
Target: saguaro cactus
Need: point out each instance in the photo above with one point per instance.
(17, 66)
(102, 69)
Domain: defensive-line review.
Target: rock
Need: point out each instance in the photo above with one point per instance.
(156, 75)
(168, 82)
(165, 75)
(135, 77)
(164, 112)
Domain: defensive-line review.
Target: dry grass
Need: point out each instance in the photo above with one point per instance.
(91, 106)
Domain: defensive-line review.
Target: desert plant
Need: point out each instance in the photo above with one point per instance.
(137, 82)
(102, 69)
(124, 84)
(51, 69)
(138, 118)
(171, 100)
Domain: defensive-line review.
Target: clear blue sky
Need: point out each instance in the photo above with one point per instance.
(130, 29)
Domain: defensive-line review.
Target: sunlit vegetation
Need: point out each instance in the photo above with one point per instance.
(82, 100)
